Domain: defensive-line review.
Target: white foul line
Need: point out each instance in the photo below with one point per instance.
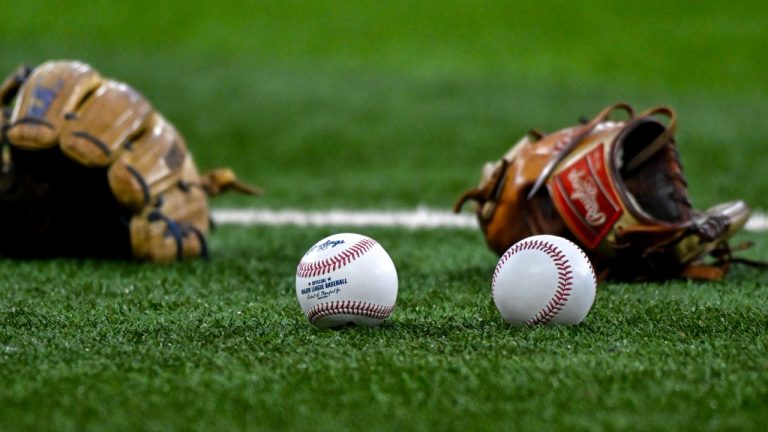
(757, 222)
(420, 217)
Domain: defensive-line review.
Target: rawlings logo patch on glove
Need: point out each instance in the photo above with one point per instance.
(584, 194)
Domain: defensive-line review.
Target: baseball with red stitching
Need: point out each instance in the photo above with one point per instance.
(544, 279)
(346, 278)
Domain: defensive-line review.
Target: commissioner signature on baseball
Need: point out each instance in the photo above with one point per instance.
(319, 295)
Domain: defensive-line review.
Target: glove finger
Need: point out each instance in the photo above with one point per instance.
(112, 115)
(51, 91)
(711, 228)
(149, 165)
(173, 230)
(10, 87)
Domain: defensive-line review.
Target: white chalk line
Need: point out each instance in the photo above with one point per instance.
(413, 219)
(418, 218)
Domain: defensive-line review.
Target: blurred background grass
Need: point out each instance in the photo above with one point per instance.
(397, 104)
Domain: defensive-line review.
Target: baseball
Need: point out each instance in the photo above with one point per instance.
(346, 278)
(543, 279)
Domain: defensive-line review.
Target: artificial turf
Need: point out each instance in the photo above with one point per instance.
(92, 345)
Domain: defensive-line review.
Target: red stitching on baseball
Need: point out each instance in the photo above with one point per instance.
(317, 268)
(564, 277)
(348, 307)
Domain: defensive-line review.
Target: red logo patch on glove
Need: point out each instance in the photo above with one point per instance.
(585, 198)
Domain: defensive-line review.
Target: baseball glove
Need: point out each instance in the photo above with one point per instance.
(616, 188)
(89, 169)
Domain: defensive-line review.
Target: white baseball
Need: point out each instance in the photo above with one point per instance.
(346, 278)
(544, 279)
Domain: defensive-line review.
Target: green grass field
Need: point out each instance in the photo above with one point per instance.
(391, 106)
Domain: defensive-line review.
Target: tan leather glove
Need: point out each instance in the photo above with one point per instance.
(89, 168)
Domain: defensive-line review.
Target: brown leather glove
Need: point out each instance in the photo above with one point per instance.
(90, 169)
(616, 188)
